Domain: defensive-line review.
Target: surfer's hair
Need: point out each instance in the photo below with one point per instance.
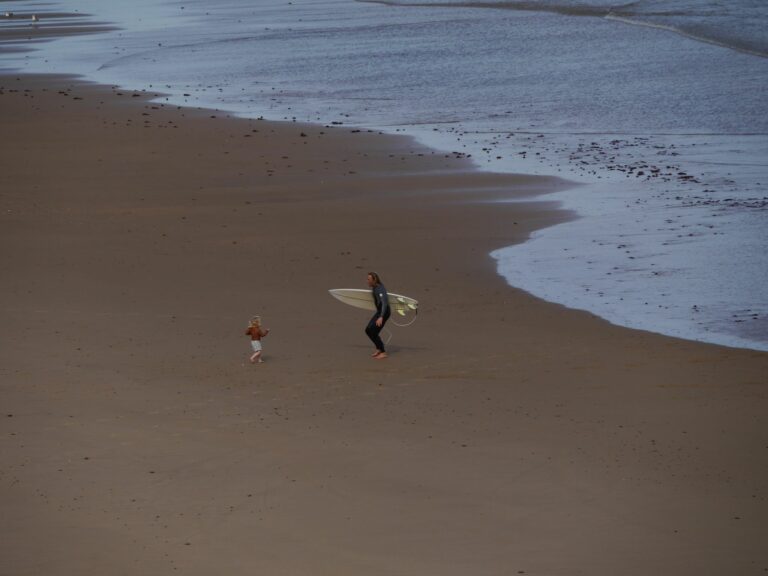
(376, 279)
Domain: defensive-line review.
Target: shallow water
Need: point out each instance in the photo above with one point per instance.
(657, 108)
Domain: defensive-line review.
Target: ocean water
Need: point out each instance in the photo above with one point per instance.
(658, 109)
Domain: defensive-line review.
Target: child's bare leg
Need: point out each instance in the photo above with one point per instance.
(254, 356)
(258, 357)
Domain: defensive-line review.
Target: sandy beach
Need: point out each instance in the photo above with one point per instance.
(503, 435)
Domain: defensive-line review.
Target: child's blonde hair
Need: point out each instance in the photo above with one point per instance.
(256, 321)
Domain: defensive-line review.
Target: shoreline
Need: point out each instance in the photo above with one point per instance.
(137, 241)
(626, 282)
(658, 288)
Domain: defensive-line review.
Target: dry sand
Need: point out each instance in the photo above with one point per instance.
(503, 435)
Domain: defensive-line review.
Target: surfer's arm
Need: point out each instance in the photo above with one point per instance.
(384, 299)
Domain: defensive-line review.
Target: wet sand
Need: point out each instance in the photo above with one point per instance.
(503, 435)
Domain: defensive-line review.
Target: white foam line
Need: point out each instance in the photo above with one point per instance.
(695, 37)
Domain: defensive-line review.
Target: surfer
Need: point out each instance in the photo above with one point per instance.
(380, 317)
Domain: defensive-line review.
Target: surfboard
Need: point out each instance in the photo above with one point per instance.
(359, 298)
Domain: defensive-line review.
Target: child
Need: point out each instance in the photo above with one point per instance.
(256, 332)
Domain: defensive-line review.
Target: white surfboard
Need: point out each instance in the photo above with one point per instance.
(359, 298)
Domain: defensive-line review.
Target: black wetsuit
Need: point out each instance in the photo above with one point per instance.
(383, 310)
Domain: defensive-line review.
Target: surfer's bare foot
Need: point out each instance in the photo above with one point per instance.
(376, 353)
(380, 355)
